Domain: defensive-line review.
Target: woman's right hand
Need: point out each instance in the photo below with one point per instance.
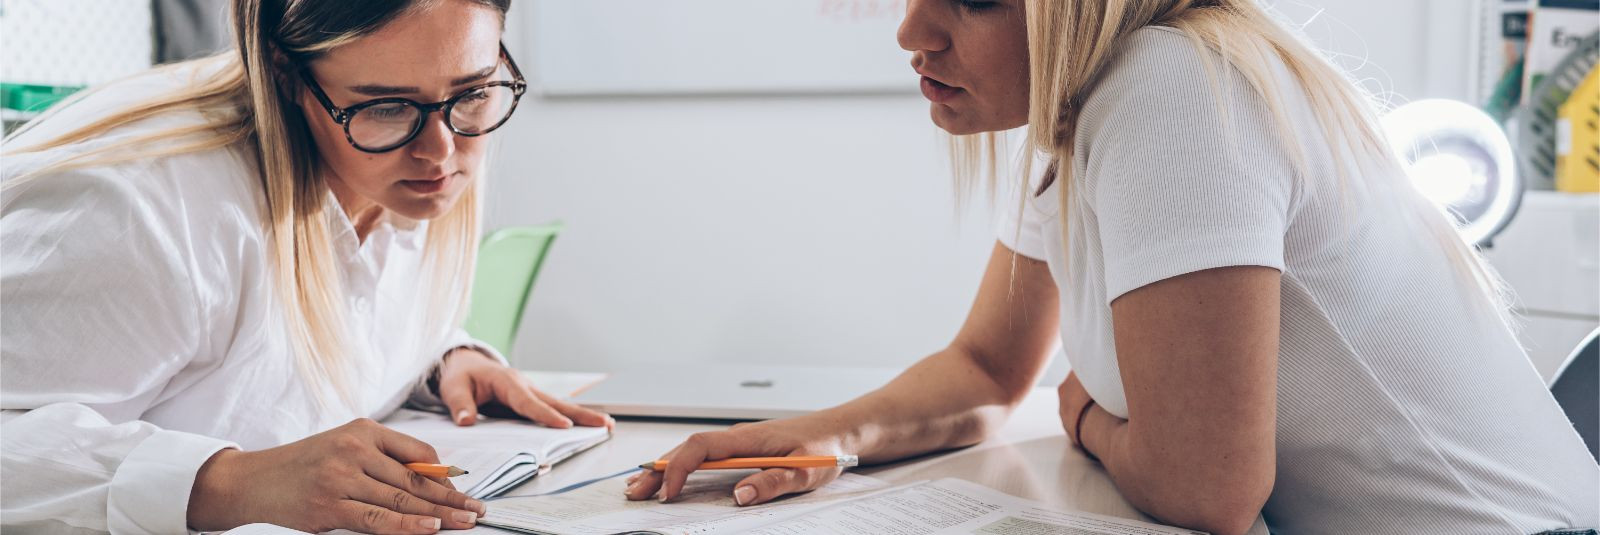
(772, 438)
(350, 477)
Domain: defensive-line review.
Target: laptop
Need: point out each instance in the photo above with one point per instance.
(730, 392)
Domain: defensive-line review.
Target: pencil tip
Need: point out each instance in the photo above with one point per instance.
(647, 466)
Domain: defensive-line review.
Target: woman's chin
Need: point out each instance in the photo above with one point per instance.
(424, 209)
(957, 123)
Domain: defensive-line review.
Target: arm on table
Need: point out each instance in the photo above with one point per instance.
(952, 398)
(1199, 361)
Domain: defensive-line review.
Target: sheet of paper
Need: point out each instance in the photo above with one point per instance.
(262, 529)
(953, 506)
(564, 384)
(705, 507)
(492, 433)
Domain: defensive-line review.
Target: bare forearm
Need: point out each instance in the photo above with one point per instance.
(944, 401)
(957, 396)
(1182, 484)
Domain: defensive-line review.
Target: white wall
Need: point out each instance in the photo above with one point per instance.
(1404, 49)
(796, 230)
(776, 230)
(73, 42)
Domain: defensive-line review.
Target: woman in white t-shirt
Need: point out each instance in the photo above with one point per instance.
(1262, 316)
(215, 273)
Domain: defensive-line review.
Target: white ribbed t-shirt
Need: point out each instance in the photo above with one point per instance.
(1404, 406)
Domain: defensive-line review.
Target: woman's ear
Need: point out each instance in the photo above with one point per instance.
(286, 77)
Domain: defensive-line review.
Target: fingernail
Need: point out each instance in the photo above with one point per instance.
(744, 494)
(465, 517)
(461, 416)
(632, 486)
(476, 505)
(429, 523)
(663, 497)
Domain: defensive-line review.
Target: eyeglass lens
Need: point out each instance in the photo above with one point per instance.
(385, 125)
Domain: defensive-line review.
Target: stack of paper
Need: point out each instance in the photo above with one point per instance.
(498, 454)
(851, 505)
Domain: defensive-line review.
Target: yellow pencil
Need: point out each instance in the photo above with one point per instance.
(435, 470)
(826, 461)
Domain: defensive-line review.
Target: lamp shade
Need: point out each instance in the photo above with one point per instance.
(1458, 157)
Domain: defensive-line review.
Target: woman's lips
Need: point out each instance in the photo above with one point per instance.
(937, 91)
(433, 185)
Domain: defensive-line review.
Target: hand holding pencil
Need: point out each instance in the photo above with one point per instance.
(361, 476)
(792, 458)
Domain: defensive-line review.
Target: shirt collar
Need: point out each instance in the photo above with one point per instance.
(405, 231)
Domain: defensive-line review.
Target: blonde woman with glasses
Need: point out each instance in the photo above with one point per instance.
(217, 272)
(1263, 318)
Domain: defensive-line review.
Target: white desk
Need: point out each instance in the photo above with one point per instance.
(1030, 458)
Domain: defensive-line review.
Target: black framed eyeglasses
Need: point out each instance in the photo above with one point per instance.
(385, 124)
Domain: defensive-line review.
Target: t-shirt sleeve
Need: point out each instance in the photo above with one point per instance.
(1175, 188)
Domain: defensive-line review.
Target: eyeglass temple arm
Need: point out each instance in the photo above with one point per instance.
(516, 74)
(334, 112)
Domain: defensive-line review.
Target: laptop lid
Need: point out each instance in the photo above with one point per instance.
(730, 392)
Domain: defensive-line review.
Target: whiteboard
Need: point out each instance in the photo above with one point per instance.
(642, 47)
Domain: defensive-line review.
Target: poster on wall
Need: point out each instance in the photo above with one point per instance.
(650, 47)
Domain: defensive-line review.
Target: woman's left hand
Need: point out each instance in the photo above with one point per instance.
(470, 378)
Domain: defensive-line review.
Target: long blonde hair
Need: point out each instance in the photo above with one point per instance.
(247, 98)
(1071, 43)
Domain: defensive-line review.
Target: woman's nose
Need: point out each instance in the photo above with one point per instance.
(920, 31)
(435, 143)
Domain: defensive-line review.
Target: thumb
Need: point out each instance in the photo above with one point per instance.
(769, 484)
(456, 392)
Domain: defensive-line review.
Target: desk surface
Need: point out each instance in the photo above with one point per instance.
(1030, 458)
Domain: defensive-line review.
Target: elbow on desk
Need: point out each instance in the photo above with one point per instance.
(1217, 493)
(1229, 522)
(978, 425)
(1226, 509)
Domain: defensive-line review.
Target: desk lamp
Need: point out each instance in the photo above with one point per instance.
(1459, 158)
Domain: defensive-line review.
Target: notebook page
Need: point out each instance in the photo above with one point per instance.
(479, 464)
(705, 507)
(516, 471)
(488, 471)
(953, 506)
(497, 453)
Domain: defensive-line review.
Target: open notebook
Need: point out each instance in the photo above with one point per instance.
(851, 505)
(498, 454)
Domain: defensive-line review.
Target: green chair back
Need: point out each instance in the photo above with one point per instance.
(508, 261)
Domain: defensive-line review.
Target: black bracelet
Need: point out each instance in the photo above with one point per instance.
(1077, 431)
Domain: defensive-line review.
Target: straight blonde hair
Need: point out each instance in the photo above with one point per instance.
(1071, 43)
(247, 97)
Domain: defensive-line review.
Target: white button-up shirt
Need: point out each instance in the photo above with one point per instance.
(142, 333)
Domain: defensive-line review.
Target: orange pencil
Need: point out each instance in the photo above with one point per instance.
(435, 470)
(827, 461)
